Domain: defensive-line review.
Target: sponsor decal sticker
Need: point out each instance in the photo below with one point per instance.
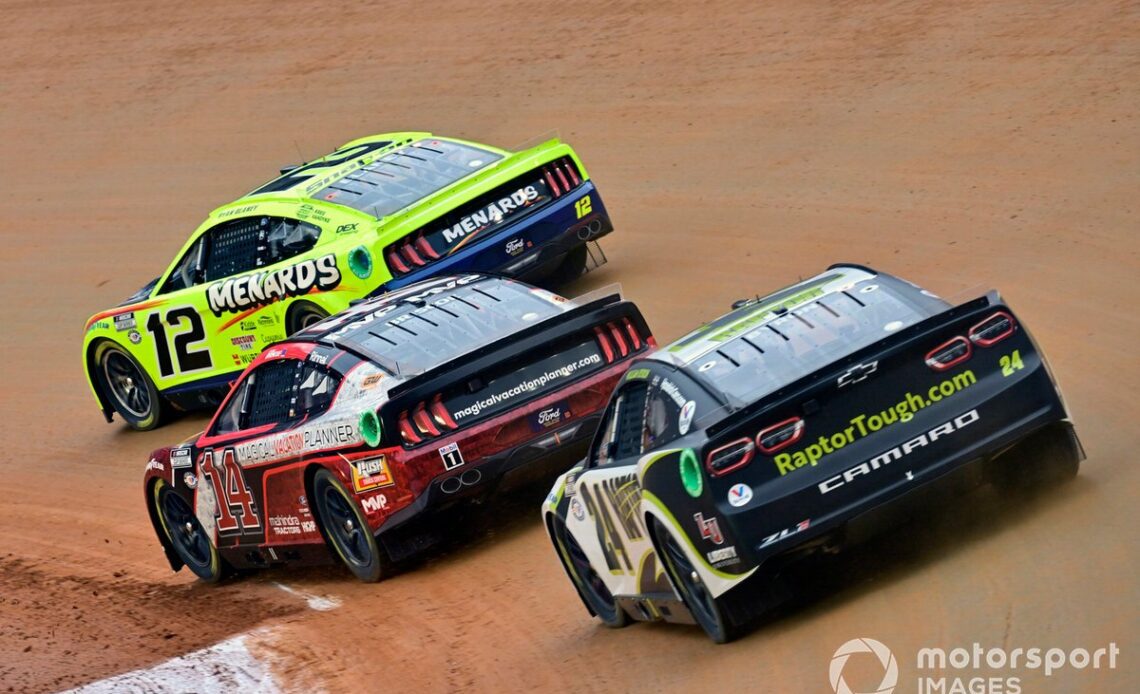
(371, 381)
(739, 495)
(685, 419)
(857, 373)
(725, 556)
(236, 294)
(244, 343)
(515, 246)
(863, 425)
(710, 528)
(153, 464)
(134, 337)
(180, 457)
(125, 321)
(636, 374)
(296, 442)
(190, 479)
(373, 504)
(577, 510)
(451, 455)
(346, 228)
(371, 473)
(494, 213)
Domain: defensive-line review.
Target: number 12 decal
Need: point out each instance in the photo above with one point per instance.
(188, 359)
(231, 492)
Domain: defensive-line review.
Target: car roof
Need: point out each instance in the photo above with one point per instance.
(774, 340)
(415, 329)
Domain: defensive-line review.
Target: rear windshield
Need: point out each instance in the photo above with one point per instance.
(406, 175)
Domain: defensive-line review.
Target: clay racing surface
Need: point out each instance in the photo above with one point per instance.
(738, 146)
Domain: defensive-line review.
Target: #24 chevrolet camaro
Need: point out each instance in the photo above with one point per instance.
(378, 214)
(789, 426)
(355, 431)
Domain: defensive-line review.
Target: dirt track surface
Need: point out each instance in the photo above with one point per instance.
(738, 147)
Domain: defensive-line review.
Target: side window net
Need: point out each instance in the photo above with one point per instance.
(273, 393)
(630, 415)
(234, 248)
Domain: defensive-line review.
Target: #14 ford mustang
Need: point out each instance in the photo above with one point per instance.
(378, 214)
(769, 434)
(353, 432)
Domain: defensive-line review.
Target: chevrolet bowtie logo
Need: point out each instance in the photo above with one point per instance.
(857, 373)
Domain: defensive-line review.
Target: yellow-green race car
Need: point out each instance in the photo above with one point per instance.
(378, 214)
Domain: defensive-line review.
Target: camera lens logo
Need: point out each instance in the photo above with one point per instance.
(880, 651)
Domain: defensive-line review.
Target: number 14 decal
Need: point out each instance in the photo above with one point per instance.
(236, 510)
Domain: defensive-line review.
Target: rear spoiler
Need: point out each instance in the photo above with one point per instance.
(801, 386)
(467, 365)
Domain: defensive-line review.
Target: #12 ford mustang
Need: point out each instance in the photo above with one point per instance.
(354, 431)
(781, 428)
(378, 214)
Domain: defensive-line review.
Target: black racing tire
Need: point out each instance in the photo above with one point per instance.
(301, 315)
(346, 530)
(571, 267)
(586, 580)
(128, 388)
(714, 615)
(186, 535)
(1044, 459)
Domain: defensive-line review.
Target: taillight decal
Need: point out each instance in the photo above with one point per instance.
(573, 171)
(780, 435)
(618, 338)
(407, 431)
(425, 247)
(410, 254)
(441, 415)
(562, 177)
(950, 353)
(550, 181)
(992, 330)
(632, 333)
(396, 262)
(730, 457)
(423, 421)
(605, 343)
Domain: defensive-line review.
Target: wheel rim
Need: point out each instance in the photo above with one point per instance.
(186, 531)
(591, 582)
(307, 316)
(700, 601)
(127, 384)
(344, 527)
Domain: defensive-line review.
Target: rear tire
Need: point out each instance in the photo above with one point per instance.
(587, 581)
(345, 528)
(187, 536)
(714, 615)
(1045, 458)
(128, 388)
(571, 267)
(303, 314)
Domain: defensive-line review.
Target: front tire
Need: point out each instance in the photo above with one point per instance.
(187, 536)
(713, 614)
(128, 388)
(345, 528)
(587, 581)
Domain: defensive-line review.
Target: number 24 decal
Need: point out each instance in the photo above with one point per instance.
(1010, 363)
(184, 339)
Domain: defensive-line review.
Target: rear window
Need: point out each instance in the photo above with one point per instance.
(406, 175)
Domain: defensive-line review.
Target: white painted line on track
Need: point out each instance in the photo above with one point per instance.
(225, 667)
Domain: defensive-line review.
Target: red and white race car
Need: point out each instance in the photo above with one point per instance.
(354, 431)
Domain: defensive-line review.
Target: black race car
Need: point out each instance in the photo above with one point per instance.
(765, 435)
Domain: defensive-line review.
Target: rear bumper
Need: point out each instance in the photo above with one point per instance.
(411, 529)
(538, 240)
(873, 490)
